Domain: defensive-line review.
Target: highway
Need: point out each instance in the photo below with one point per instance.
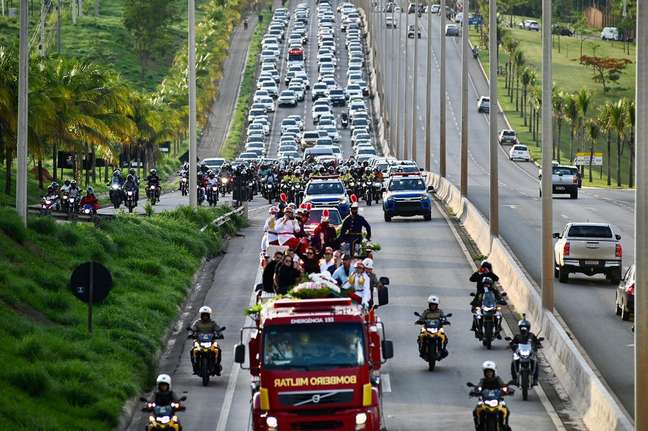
(413, 253)
(586, 304)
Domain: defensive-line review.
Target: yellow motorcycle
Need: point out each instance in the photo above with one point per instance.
(491, 409)
(163, 418)
(432, 339)
(206, 354)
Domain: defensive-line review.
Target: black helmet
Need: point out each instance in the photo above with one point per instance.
(132, 171)
(524, 325)
(486, 264)
(66, 182)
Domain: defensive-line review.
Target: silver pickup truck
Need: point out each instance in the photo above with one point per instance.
(588, 248)
(564, 180)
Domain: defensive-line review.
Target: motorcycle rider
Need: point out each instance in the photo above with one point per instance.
(65, 188)
(525, 337)
(164, 396)
(352, 227)
(205, 325)
(485, 272)
(433, 312)
(131, 185)
(154, 180)
(90, 199)
(491, 381)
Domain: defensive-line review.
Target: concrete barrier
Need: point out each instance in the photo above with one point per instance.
(591, 399)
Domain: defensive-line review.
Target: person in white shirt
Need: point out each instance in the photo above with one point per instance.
(359, 282)
(327, 261)
(287, 228)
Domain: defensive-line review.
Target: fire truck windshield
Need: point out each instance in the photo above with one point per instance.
(313, 346)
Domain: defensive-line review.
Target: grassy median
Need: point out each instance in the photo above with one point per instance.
(55, 375)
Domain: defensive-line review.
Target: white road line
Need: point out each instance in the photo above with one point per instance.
(386, 383)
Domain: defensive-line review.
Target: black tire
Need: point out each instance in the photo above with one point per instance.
(555, 271)
(116, 205)
(525, 385)
(563, 275)
(617, 309)
(625, 313)
(488, 344)
(574, 194)
(491, 424)
(427, 217)
(615, 277)
(204, 371)
(387, 218)
(431, 364)
(130, 209)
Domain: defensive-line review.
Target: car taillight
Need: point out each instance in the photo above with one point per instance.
(566, 249)
(630, 289)
(575, 179)
(618, 251)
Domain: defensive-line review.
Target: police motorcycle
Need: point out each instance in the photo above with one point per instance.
(491, 408)
(488, 318)
(431, 339)
(206, 353)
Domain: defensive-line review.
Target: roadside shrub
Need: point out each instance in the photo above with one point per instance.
(31, 348)
(42, 225)
(67, 235)
(78, 393)
(30, 379)
(146, 266)
(11, 225)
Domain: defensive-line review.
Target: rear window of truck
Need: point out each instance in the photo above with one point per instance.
(590, 232)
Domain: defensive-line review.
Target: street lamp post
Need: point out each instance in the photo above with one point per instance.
(547, 210)
(393, 91)
(399, 121)
(193, 180)
(494, 169)
(23, 86)
(415, 81)
(428, 94)
(464, 99)
(442, 92)
(405, 79)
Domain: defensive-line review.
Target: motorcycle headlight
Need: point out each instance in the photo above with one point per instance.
(515, 356)
(184, 180)
(164, 420)
(214, 189)
(115, 186)
(492, 403)
(71, 199)
(48, 202)
(206, 345)
(524, 354)
(130, 193)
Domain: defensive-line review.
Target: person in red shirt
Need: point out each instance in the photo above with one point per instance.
(90, 199)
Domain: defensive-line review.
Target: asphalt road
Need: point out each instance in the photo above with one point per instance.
(586, 304)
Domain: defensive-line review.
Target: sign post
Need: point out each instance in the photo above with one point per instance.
(583, 158)
(91, 282)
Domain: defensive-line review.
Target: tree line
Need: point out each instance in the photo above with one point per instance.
(90, 111)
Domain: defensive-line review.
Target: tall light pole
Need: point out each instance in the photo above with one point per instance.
(464, 99)
(193, 180)
(399, 122)
(442, 93)
(547, 210)
(23, 103)
(641, 212)
(494, 171)
(415, 81)
(405, 85)
(428, 93)
(393, 90)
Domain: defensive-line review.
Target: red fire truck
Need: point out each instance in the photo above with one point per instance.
(315, 365)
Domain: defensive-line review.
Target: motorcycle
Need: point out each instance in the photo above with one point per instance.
(297, 193)
(184, 185)
(491, 408)
(87, 210)
(523, 367)
(206, 353)
(49, 204)
(250, 189)
(116, 194)
(475, 52)
(153, 193)
(224, 185)
(212, 195)
(269, 192)
(488, 319)
(131, 200)
(72, 204)
(344, 120)
(431, 339)
(163, 418)
(368, 191)
(376, 189)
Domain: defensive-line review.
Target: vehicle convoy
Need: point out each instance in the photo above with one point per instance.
(588, 248)
(315, 364)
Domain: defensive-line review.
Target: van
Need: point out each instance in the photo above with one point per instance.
(610, 33)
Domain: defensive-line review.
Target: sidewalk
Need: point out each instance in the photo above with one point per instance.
(220, 115)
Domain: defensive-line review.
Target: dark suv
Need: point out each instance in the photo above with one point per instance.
(337, 97)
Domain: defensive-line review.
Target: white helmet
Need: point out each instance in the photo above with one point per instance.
(489, 365)
(164, 378)
(433, 299)
(205, 309)
(368, 263)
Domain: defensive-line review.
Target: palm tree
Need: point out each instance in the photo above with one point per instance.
(558, 102)
(528, 76)
(571, 112)
(8, 109)
(617, 120)
(606, 126)
(593, 133)
(583, 100)
(629, 106)
(519, 62)
(510, 46)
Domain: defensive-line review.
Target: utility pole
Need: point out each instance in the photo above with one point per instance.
(23, 86)
(405, 85)
(442, 93)
(415, 82)
(493, 111)
(193, 180)
(641, 212)
(398, 87)
(428, 93)
(547, 210)
(393, 91)
(464, 98)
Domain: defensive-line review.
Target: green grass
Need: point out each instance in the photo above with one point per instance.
(232, 144)
(569, 76)
(75, 381)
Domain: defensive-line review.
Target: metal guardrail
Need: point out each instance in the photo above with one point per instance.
(218, 222)
(34, 210)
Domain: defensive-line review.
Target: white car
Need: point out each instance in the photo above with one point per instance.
(530, 24)
(267, 102)
(610, 33)
(483, 104)
(287, 98)
(319, 110)
(520, 152)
